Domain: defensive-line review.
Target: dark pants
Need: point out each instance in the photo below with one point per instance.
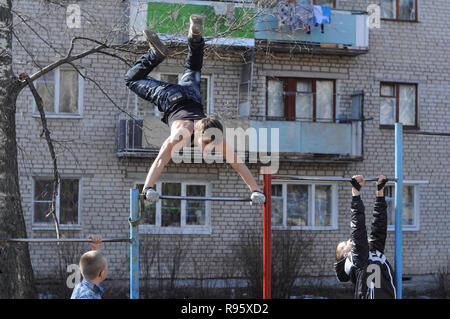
(165, 95)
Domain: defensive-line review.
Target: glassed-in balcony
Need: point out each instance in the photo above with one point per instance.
(226, 22)
(346, 34)
(290, 140)
(257, 23)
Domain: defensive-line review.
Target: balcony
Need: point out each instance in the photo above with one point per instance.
(170, 19)
(347, 34)
(290, 140)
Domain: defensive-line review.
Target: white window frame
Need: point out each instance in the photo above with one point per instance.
(184, 228)
(311, 206)
(58, 114)
(50, 225)
(209, 100)
(416, 185)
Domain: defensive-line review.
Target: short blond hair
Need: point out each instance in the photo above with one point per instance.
(339, 254)
(92, 263)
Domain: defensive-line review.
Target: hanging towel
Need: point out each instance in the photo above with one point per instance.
(286, 12)
(322, 14)
(304, 14)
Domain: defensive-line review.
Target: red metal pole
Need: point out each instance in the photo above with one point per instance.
(267, 212)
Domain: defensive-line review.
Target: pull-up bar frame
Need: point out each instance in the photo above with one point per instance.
(61, 240)
(137, 207)
(322, 179)
(267, 218)
(207, 198)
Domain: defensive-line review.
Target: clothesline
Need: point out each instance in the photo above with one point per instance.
(303, 16)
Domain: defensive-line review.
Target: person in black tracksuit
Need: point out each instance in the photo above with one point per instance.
(181, 105)
(360, 259)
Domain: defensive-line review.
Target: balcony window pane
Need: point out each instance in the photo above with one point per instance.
(68, 92)
(297, 205)
(45, 86)
(324, 102)
(304, 101)
(275, 105)
(407, 10)
(387, 111)
(195, 210)
(388, 9)
(171, 209)
(407, 104)
(323, 205)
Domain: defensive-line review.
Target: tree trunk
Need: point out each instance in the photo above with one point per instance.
(16, 273)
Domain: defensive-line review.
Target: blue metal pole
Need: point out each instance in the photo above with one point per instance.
(398, 206)
(134, 244)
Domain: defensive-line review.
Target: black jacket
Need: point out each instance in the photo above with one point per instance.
(366, 266)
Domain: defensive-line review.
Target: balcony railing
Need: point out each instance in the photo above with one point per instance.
(347, 34)
(241, 23)
(292, 140)
(170, 18)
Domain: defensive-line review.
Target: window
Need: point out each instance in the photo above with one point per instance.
(398, 104)
(144, 107)
(67, 204)
(410, 206)
(300, 99)
(61, 91)
(178, 216)
(402, 10)
(304, 206)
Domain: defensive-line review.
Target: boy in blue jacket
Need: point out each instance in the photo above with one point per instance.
(94, 268)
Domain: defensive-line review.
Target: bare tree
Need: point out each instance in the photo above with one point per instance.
(17, 280)
(16, 274)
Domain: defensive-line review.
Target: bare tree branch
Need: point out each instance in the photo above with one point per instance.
(46, 132)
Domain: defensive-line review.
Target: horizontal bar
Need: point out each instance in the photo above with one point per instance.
(323, 179)
(426, 133)
(53, 240)
(202, 198)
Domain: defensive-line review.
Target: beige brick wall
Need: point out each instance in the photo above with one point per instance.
(412, 52)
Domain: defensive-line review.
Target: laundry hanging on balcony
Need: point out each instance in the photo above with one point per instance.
(322, 14)
(298, 16)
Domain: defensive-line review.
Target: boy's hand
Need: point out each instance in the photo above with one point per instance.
(360, 180)
(96, 242)
(151, 195)
(258, 198)
(380, 185)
